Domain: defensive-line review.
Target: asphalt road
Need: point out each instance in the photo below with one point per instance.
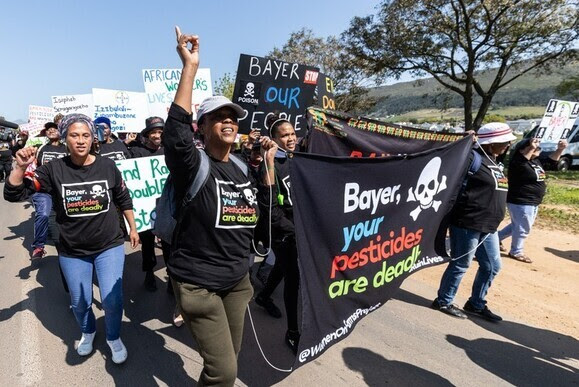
(403, 343)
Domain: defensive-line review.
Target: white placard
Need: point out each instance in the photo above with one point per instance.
(75, 103)
(40, 114)
(161, 86)
(558, 120)
(127, 110)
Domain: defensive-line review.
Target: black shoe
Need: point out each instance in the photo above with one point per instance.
(269, 306)
(484, 313)
(450, 309)
(292, 339)
(150, 283)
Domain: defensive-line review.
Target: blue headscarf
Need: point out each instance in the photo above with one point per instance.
(70, 119)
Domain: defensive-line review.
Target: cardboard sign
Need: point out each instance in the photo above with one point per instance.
(161, 86)
(264, 86)
(40, 114)
(77, 103)
(145, 178)
(325, 93)
(558, 120)
(127, 110)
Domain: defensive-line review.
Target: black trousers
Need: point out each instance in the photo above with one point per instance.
(148, 250)
(286, 268)
(5, 168)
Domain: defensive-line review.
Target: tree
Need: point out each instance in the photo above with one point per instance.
(225, 85)
(331, 57)
(569, 87)
(454, 41)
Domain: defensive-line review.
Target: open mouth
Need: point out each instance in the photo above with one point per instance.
(227, 130)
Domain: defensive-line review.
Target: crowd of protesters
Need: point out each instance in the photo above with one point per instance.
(208, 262)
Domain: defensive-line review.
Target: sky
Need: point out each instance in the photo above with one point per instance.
(68, 47)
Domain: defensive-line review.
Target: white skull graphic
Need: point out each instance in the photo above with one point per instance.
(427, 187)
(249, 90)
(250, 196)
(97, 190)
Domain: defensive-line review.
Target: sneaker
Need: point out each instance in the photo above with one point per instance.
(37, 253)
(119, 351)
(292, 339)
(269, 306)
(484, 313)
(85, 344)
(150, 283)
(502, 247)
(450, 309)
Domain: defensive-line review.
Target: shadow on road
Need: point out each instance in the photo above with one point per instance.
(379, 371)
(536, 358)
(571, 255)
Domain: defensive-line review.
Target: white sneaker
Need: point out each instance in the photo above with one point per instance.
(119, 351)
(85, 344)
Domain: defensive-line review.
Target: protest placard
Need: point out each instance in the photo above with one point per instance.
(40, 114)
(33, 129)
(558, 120)
(77, 103)
(325, 92)
(264, 86)
(127, 110)
(161, 86)
(145, 178)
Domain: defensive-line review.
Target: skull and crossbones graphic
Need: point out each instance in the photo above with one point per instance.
(427, 187)
(97, 190)
(249, 90)
(250, 196)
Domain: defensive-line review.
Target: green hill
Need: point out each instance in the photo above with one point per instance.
(531, 90)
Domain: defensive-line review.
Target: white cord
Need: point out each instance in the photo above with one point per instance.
(501, 166)
(472, 251)
(259, 345)
(269, 223)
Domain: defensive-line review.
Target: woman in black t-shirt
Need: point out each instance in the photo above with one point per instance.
(526, 190)
(85, 189)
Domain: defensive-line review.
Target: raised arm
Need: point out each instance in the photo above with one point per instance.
(190, 59)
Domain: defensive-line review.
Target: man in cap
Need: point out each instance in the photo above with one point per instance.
(151, 147)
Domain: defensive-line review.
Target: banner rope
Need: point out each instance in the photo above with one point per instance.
(259, 345)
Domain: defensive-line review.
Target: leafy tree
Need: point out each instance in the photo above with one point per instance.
(225, 85)
(331, 57)
(456, 41)
(569, 87)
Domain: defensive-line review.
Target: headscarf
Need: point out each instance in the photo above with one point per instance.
(70, 119)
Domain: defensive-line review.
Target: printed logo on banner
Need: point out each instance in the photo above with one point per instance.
(427, 187)
(311, 77)
(287, 184)
(236, 205)
(251, 93)
(49, 156)
(122, 98)
(86, 199)
(501, 182)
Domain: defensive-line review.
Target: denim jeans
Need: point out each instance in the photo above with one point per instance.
(42, 203)
(522, 219)
(109, 270)
(463, 242)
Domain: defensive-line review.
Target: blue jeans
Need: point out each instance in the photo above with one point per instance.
(109, 270)
(522, 218)
(42, 203)
(463, 242)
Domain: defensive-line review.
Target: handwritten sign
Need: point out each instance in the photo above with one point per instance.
(33, 129)
(264, 86)
(558, 120)
(161, 86)
(145, 178)
(40, 114)
(78, 103)
(325, 92)
(127, 110)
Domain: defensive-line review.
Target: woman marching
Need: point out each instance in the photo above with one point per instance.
(210, 248)
(85, 189)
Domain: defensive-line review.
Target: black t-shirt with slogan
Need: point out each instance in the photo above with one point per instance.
(211, 243)
(526, 181)
(49, 152)
(482, 205)
(84, 199)
(116, 150)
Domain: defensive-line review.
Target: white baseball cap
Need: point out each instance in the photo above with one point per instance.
(211, 104)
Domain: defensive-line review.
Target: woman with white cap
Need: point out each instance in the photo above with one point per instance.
(210, 248)
(474, 221)
(85, 189)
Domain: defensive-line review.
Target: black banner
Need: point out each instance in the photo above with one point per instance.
(264, 86)
(336, 133)
(363, 225)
